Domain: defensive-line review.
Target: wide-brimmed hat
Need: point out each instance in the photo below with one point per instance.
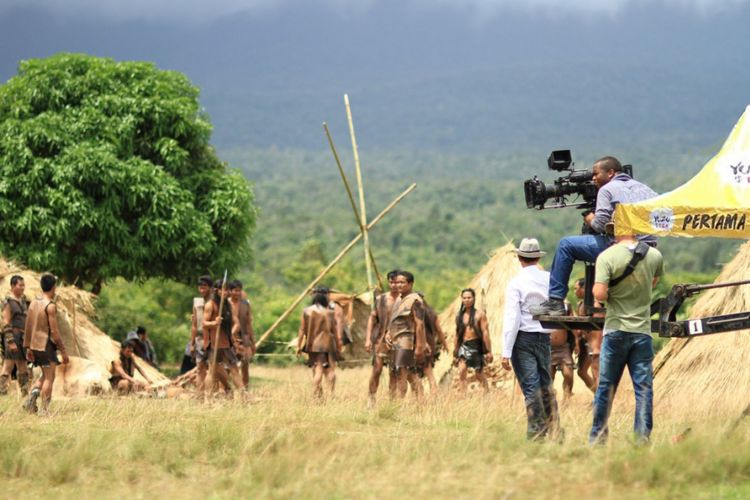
(529, 248)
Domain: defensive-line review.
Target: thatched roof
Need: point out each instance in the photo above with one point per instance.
(704, 376)
(91, 350)
(490, 284)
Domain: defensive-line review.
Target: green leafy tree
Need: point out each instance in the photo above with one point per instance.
(106, 170)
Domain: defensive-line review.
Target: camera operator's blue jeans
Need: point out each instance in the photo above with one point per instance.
(532, 361)
(585, 247)
(636, 351)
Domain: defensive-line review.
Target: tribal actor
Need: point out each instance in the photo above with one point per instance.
(219, 333)
(42, 340)
(205, 283)
(14, 324)
(123, 372)
(436, 342)
(589, 342)
(246, 341)
(319, 337)
(472, 348)
(406, 334)
(374, 339)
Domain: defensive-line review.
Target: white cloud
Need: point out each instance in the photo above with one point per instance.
(208, 10)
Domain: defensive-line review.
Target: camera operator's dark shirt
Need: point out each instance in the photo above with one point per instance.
(621, 189)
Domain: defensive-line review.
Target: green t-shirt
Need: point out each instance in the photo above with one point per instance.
(629, 303)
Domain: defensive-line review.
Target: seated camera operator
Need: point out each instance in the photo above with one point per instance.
(614, 186)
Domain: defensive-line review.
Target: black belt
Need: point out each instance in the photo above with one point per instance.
(532, 333)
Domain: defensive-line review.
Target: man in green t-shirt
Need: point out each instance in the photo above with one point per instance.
(627, 333)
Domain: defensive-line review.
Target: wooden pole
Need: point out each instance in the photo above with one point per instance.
(335, 261)
(357, 216)
(362, 206)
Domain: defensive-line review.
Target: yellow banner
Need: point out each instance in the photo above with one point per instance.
(716, 202)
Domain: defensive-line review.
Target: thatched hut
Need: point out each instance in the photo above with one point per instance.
(490, 284)
(91, 350)
(704, 376)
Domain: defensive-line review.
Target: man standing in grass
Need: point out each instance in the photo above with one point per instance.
(244, 314)
(196, 341)
(219, 333)
(41, 341)
(527, 344)
(14, 321)
(406, 334)
(625, 276)
(377, 325)
(473, 348)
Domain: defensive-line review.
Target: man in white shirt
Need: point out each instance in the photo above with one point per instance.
(526, 345)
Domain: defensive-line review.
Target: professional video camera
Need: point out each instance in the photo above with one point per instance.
(576, 182)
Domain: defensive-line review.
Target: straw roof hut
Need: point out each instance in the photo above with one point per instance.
(91, 350)
(704, 376)
(489, 284)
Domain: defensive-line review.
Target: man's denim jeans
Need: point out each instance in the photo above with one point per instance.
(585, 247)
(636, 351)
(531, 360)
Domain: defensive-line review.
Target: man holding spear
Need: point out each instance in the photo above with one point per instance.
(220, 328)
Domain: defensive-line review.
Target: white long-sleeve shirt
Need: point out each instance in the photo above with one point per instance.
(528, 289)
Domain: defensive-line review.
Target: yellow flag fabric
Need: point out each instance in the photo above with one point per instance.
(716, 202)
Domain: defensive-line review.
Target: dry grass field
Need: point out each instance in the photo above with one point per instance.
(280, 444)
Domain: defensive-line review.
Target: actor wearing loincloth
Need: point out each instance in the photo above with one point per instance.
(319, 337)
(374, 340)
(246, 340)
(42, 340)
(219, 334)
(205, 286)
(589, 343)
(562, 342)
(123, 372)
(472, 348)
(436, 341)
(406, 335)
(14, 324)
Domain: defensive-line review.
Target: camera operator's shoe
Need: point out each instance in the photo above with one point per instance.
(551, 307)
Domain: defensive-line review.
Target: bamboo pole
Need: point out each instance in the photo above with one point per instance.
(335, 261)
(362, 206)
(357, 216)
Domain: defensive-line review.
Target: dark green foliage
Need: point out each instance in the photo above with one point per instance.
(106, 170)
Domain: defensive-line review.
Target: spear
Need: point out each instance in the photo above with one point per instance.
(215, 343)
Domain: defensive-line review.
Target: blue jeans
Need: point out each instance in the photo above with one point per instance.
(531, 360)
(585, 247)
(636, 351)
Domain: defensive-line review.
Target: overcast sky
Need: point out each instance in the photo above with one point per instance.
(476, 70)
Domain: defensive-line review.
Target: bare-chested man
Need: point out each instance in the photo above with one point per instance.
(123, 372)
(246, 340)
(472, 348)
(319, 337)
(205, 285)
(435, 338)
(42, 340)
(589, 344)
(406, 334)
(14, 324)
(219, 333)
(377, 325)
